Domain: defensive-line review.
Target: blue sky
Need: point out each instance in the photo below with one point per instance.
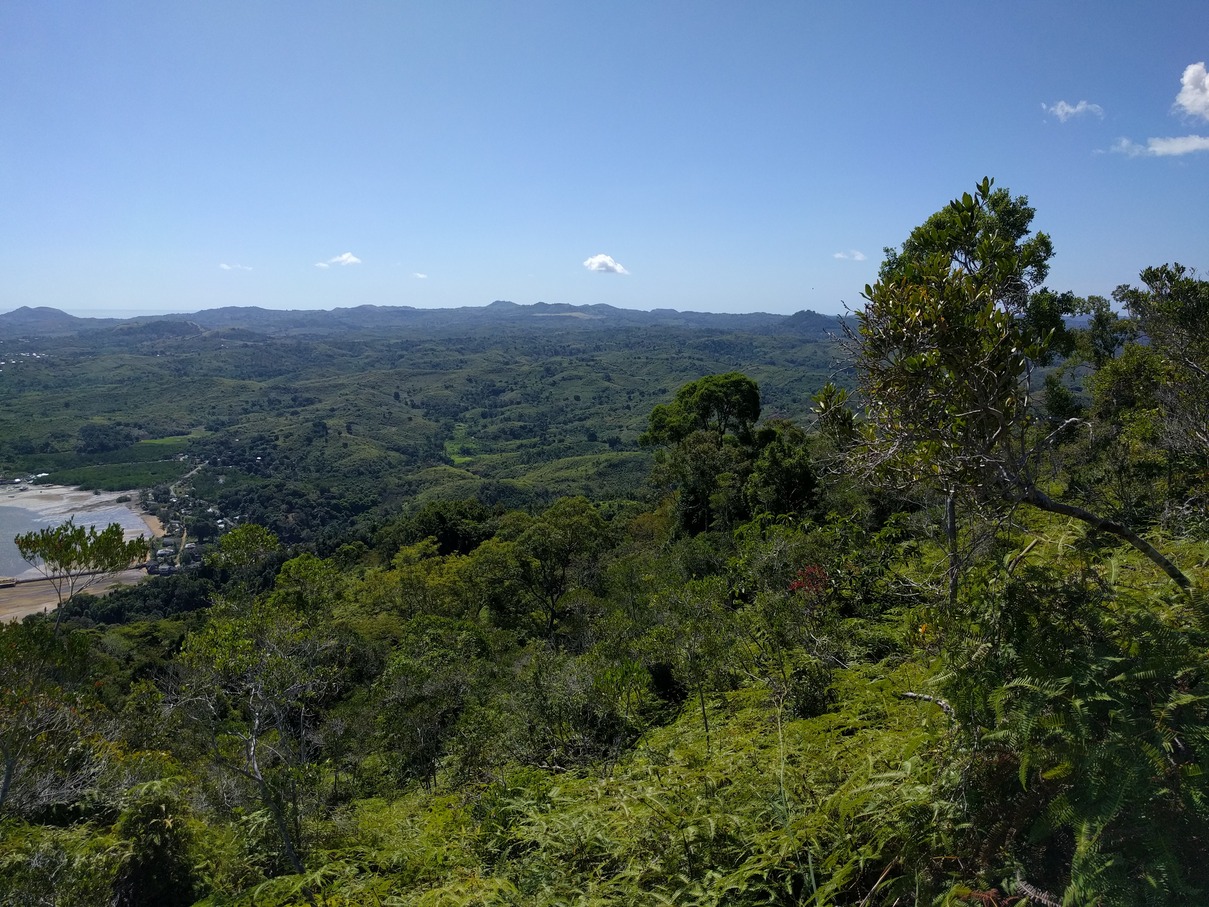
(743, 156)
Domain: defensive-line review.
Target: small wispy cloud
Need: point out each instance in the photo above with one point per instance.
(1064, 111)
(418, 276)
(850, 255)
(227, 267)
(1193, 98)
(1165, 147)
(344, 258)
(604, 264)
(1128, 147)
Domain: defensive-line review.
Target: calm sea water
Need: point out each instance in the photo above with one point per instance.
(16, 520)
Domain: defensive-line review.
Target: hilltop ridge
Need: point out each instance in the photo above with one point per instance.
(48, 322)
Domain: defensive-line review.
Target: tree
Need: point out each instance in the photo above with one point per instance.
(708, 479)
(782, 479)
(245, 546)
(457, 527)
(98, 438)
(156, 834)
(1106, 332)
(256, 678)
(946, 347)
(706, 439)
(972, 234)
(694, 633)
(50, 755)
(833, 419)
(1173, 314)
(556, 552)
(244, 553)
(720, 404)
(1143, 453)
(306, 584)
(431, 675)
(74, 558)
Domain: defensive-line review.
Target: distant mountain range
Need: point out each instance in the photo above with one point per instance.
(47, 322)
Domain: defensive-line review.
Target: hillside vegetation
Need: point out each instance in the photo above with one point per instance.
(305, 431)
(674, 615)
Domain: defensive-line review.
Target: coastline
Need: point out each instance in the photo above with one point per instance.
(38, 596)
(64, 500)
(55, 503)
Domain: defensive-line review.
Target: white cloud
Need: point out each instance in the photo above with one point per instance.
(1184, 144)
(1193, 99)
(418, 276)
(1163, 147)
(1194, 91)
(1129, 147)
(604, 264)
(850, 255)
(227, 267)
(344, 258)
(1064, 111)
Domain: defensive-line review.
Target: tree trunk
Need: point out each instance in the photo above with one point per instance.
(269, 798)
(951, 533)
(10, 765)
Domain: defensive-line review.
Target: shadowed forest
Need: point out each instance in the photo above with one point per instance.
(553, 605)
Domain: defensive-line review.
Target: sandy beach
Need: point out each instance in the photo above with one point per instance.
(38, 596)
(51, 501)
(63, 500)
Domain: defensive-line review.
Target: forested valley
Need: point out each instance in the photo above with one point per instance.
(908, 607)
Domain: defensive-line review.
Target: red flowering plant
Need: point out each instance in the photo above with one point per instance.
(810, 581)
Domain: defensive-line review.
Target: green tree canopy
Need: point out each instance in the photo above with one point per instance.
(945, 353)
(244, 553)
(722, 405)
(556, 552)
(1173, 314)
(987, 236)
(947, 343)
(782, 479)
(972, 234)
(255, 678)
(74, 558)
(706, 436)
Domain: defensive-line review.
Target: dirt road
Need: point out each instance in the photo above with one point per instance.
(39, 595)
